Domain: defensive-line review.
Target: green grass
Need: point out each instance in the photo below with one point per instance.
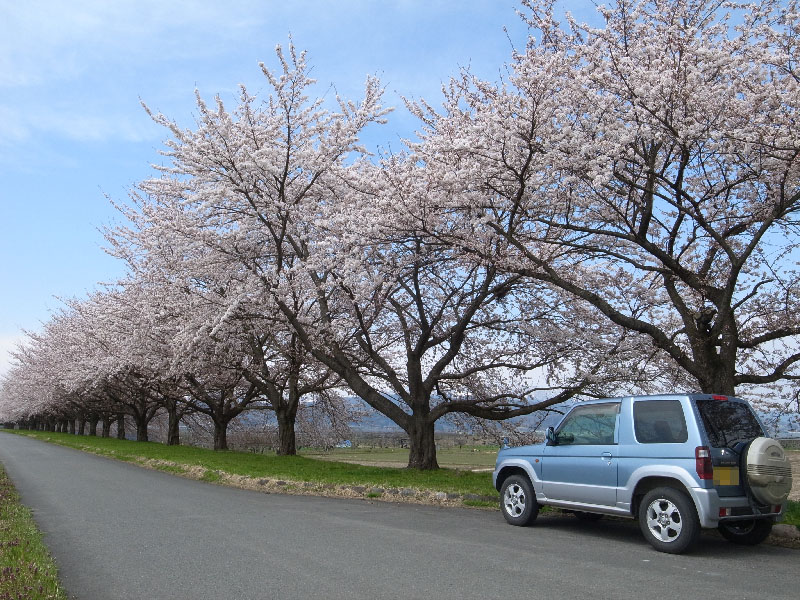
(177, 469)
(294, 468)
(211, 476)
(27, 571)
(792, 514)
(465, 457)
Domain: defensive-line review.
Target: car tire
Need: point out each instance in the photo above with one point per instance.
(668, 520)
(517, 501)
(746, 533)
(587, 516)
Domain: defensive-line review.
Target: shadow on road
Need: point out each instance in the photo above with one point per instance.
(626, 532)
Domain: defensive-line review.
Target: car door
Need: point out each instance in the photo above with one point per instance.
(580, 465)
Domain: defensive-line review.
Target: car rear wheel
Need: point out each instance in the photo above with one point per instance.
(517, 501)
(668, 520)
(747, 533)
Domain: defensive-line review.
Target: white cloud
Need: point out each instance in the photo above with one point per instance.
(75, 71)
(42, 41)
(12, 129)
(18, 125)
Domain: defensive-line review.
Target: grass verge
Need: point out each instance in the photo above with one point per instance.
(792, 514)
(27, 571)
(259, 466)
(458, 457)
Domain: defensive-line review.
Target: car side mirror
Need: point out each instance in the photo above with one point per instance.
(552, 440)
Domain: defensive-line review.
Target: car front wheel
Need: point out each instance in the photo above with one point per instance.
(517, 501)
(668, 520)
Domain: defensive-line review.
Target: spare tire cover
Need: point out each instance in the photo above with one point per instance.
(769, 473)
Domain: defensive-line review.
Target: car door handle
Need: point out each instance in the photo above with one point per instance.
(606, 455)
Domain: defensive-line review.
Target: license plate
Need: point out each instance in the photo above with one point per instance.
(726, 476)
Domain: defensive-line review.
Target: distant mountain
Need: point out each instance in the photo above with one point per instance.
(785, 426)
(375, 421)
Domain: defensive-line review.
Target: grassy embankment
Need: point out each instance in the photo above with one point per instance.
(792, 515)
(27, 571)
(180, 459)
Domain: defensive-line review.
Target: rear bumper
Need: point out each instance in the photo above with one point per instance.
(709, 503)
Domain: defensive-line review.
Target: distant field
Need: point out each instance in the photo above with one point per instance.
(468, 458)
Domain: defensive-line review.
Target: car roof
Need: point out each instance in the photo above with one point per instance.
(670, 396)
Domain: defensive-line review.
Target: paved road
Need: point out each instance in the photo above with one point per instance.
(119, 531)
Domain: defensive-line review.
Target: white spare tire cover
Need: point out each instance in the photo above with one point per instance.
(769, 473)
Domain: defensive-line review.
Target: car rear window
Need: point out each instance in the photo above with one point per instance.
(659, 422)
(727, 423)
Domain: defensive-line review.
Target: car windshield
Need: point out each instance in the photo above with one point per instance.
(728, 423)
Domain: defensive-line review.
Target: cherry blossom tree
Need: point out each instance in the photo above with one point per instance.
(649, 169)
(25, 392)
(103, 360)
(44, 385)
(222, 326)
(272, 210)
(189, 229)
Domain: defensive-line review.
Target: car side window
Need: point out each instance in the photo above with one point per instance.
(591, 424)
(659, 422)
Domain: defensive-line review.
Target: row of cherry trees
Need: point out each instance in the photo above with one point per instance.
(618, 214)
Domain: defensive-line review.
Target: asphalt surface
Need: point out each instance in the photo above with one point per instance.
(120, 531)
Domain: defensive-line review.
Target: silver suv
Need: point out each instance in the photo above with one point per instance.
(677, 463)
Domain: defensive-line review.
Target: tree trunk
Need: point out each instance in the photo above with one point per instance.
(120, 426)
(287, 445)
(81, 426)
(220, 435)
(141, 430)
(106, 429)
(422, 444)
(714, 351)
(71, 426)
(93, 420)
(173, 427)
(718, 377)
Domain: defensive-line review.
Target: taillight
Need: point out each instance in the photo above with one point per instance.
(702, 456)
(720, 398)
(725, 512)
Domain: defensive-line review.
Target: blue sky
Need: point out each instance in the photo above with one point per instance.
(73, 133)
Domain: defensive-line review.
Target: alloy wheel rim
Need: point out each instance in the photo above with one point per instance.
(514, 500)
(664, 520)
